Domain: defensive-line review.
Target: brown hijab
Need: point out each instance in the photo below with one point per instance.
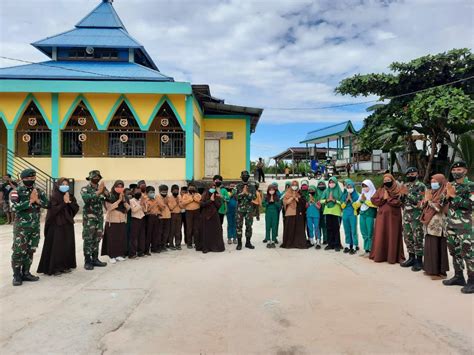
(435, 198)
(394, 191)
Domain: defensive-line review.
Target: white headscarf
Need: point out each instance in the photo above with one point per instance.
(368, 195)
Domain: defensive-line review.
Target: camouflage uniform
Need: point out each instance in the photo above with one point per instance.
(245, 210)
(413, 234)
(26, 229)
(458, 227)
(92, 220)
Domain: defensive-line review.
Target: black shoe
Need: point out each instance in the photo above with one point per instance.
(318, 246)
(352, 251)
(148, 253)
(88, 263)
(346, 250)
(190, 246)
(456, 280)
(325, 242)
(337, 249)
(409, 262)
(239, 244)
(17, 279)
(172, 247)
(27, 276)
(248, 244)
(265, 241)
(328, 247)
(98, 263)
(357, 248)
(141, 254)
(205, 251)
(469, 288)
(418, 265)
(178, 247)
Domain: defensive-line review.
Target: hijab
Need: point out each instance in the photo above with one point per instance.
(428, 211)
(114, 197)
(393, 191)
(354, 194)
(336, 190)
(319, 194)
(57, 213)
(368, 195)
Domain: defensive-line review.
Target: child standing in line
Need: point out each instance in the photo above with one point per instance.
(272, 205)
(312, 217)
(231, 210)
(368, 212)
(349, 217)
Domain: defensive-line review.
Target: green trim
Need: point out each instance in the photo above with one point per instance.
(247, 145)
(84, 86)
(160, 103)
(196, 102)
(189, 139)
(11, 147)
(71, 109)
(122, 98)
(336, 134)
(4, 119)
(55, 136)
(30, 97)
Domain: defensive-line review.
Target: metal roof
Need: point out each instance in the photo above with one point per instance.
(331, 132)
(301, 153)
(83, 70)
(103, 16)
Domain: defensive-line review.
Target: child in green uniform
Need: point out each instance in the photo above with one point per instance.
(368, 212)
(272, 205)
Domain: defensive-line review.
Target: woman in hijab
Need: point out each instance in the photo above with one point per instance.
(211, 228)
(435, 206)
(59, 250)
(388, 243)
(322, 218)
(115, 234)
(332, 211)
(272, 205)
(349, 216)
(294, 234)
(368, 212)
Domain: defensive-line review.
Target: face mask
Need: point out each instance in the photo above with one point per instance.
(271, 192)
(332, 185)
(191, 191)
(312, 193)
(212, 191)
(322, 188)
(163, 193)
(304, 187)
(245, 178)
(294, 188)
(457, 176)
(218, 183)
(138, 195)
(435, 185)
(64, 188)
(151, 195)
(95, 180)
(119, 190)
(388, 184)
(175, 193)
(365, 189)
(143, 189)
(350, 190)
(28, 183)
(411, 178)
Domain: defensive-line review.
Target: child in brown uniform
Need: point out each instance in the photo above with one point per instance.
(191, 202)
(165, 219)
(175, 205)
(152, 209)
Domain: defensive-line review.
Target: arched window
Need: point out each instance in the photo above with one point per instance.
(169, 133)
(33, 134)
(80, 137)
(125, 137)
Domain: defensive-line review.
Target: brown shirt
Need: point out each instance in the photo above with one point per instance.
(175, 204)
(164, 208)
(191, 202)
(113, 215)
(152, 207)
(290, 202)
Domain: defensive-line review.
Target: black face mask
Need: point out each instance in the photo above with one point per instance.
(191, 191)
(137, 195)
(143, 189)
(245, 178)
(175, 193)
(388, 184)
(164, 194)
(218, 183)
(411, 178)
(322, 188)
(28, 183)
(95, 181)
(312, 193)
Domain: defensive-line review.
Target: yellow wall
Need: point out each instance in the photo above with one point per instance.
(10, 103)
(124, 168)
(232, 151)
(41, 163)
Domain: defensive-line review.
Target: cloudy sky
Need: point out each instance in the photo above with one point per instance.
(270, 54)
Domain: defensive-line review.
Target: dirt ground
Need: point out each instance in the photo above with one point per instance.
(265, 301)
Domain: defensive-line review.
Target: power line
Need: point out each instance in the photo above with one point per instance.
(265, 108)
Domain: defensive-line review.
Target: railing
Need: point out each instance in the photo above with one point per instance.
(15, 165)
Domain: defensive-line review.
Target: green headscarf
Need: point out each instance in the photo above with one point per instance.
(319, 194)
(336, 190)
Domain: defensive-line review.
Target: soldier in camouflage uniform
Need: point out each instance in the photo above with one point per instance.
(413, 234)
(93, 195)
(27, 201)
(245, 193)
(458, 227)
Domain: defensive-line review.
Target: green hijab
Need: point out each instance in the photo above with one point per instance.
(319, 193)
(336, 190)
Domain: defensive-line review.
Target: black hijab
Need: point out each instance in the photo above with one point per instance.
(114, 197)
(59, 212)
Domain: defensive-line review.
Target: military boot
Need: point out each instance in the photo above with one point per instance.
(248, 244)
(88, 265)
(27, 276)
(17, 280)
(469, 288)
(409, 262)
(456, 280)
(418, 265)
(239, 243)
(97, 262)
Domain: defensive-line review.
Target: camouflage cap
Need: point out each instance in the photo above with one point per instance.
(27, 173)
(93, 174)
(459, 164)
(411, 169)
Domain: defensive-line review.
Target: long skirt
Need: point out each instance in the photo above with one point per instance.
(59, 250)
(294, 233)
(211, 235)
(115, 239)
(436, 255)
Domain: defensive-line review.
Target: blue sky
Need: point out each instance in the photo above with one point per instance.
(263, 53)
